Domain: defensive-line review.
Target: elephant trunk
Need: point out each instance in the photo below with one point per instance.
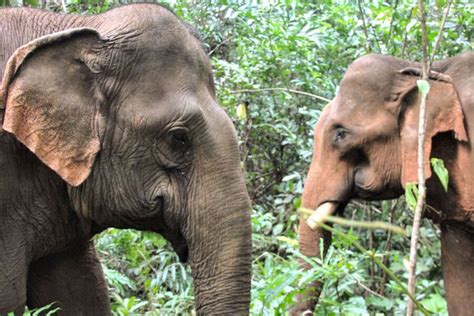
(310, 247)
(309, 240)
(219, 239)
(222, 278)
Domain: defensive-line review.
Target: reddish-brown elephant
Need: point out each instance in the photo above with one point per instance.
(365, 147)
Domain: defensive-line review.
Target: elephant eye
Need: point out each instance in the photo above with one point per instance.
(179, 138)
(340, 134)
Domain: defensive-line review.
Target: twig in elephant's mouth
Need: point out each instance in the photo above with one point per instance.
(361, 224)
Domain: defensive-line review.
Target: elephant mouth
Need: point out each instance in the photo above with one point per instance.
(376, 195)
(364, 194)
(181, 248)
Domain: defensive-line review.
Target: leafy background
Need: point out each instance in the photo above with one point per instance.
(264, 54)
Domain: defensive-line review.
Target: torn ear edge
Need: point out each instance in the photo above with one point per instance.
(443, 114)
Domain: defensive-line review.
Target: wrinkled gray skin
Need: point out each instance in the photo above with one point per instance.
(123, 109)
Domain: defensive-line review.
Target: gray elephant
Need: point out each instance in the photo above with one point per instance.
(366, 147)
(112, 121)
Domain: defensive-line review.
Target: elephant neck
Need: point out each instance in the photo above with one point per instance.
(34, 204)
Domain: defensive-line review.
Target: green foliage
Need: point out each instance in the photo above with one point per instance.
(411, 195)
(423, 86)
(411, 189)
(48, 310)
(261, 51)
(440, 171)
(144, 273)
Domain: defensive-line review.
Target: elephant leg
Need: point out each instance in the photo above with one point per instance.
(73, 278)
(13, 272)
(309, 246)
(12, 291)
(457, 255)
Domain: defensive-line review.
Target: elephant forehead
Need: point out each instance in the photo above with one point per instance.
(371, 79)
(161, 108)
(360, 117)
(136, 19)
(359, 88)
(170, 64)
(354, 107)
(149, 37)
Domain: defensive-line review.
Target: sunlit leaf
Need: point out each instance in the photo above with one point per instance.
(411, 194)
(290, 241)
(241, 111)
(441, 171)
(423, 86)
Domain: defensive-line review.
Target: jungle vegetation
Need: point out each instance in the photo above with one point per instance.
(275, 62)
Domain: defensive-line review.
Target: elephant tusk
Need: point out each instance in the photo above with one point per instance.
(320, 214)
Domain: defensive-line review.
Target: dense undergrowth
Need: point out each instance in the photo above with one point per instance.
(262, 51)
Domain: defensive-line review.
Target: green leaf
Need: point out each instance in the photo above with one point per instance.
(435, 303)
(411, 194)
(423, 86)
(242, 111)
(290, 241)
(277, 229)
(440, 4)
(46, 310)
(32, 3)
(384, 303)
(441, 171)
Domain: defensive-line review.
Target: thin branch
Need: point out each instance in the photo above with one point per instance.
(352, 223)
(388, 246)
(362, 205)
(420, 205)
(405, 37)
(424, 47)
(373, 255)
(440, 33)
(64, 6)
(366, 32)
(371, 246)
(307, 94)
(366, 288)
(391, 25)
(220, 45)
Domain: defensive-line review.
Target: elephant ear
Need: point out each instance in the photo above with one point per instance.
(51, 100)
(443, 114)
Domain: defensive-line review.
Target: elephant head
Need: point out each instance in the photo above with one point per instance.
(124, 111)
(366, 139)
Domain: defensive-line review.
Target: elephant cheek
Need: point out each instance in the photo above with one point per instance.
(366, 183)
(373, 184)
(360, 177)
